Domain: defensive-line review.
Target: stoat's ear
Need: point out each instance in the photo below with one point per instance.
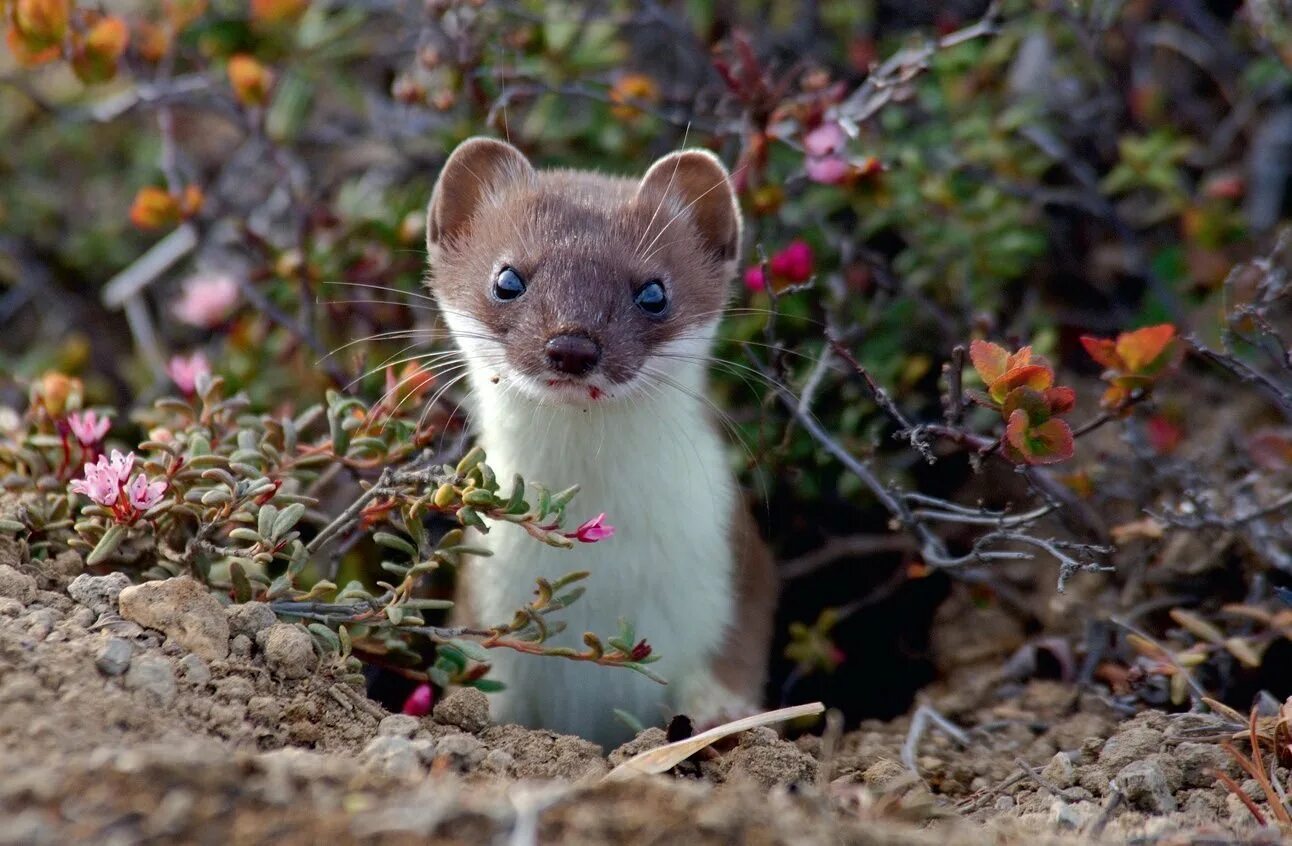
(478, 170)
(696, 180)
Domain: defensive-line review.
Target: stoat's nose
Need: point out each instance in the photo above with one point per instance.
(572, 353)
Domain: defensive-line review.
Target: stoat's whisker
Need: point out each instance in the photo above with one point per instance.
(686, 134)
(400, 291)
(380, 336)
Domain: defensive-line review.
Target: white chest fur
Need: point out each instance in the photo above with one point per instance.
(658, 470)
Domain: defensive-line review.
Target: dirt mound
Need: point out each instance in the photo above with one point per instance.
(213, 724)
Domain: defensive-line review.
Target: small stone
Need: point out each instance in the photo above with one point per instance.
(882, 773)
(16, 585)
(770, 765)
(83, 617)
(1131, 744)
(398, 725)
(250, 618)
(1198, 761)
(98, 593)
(288, 649)
(1145, 786)
(240, 647)
(154, 677)
(392, 756)
(462, 752)
(184, 610)
(114, 657)
(40, 623)
(194, 669)
(1060, 772)
(464, 707)
(1004, 803)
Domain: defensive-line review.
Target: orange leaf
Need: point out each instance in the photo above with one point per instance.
(181, 13)
(94, 58)
(28, 54)
(1035, 376)
(1102, 350)
(1143, 347)
(151, 41)
(250, 79)
(277, 11)
(154, 208)
(990, 360)
(42, 23)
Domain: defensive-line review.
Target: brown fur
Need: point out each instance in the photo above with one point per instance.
(741, 665)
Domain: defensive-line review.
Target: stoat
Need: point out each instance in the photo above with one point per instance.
(585, 307)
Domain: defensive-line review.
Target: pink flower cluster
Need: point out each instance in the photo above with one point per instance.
(208, 300)
(593, 530)
(108, 482)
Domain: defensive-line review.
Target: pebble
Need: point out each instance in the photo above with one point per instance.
(154, 677)
(1145, 786)
(16, 585)
(288, 650)
(194, 669)
(398, 725)
(391, 755)
(114, 657)
(98, 593)
(250, 618)
(464, 707)
(184, 610)
(1060, 771)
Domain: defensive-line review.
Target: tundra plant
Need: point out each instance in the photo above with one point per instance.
(234, 499)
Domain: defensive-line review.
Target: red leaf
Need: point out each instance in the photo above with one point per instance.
(1061, 399)
(1050, 442)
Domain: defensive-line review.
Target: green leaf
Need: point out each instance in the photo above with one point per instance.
(287, 518)
(471, 649)
(107, 545)
(393, 541)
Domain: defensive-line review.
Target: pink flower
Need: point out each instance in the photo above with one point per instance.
(185, 371)
(418, 703)
(143, 494)
(593, 530)
(794, 263)
(88, 427)
(108, 483)
(208, 300)
(790, 266)
(826, 162)
(100, 483)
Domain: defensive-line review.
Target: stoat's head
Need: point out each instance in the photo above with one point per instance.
(577, 287)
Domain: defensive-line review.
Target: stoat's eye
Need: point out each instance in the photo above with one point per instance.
(508, 285)
(651, 298)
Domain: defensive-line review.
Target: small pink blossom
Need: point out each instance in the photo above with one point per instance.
(88, 427)
(100, 483)
(143, 494)
(208, 300)
(185, 371)
(826, 162)
(593, 530)
(418, 703)
(790, 266)
(108, 482)
(794, 263)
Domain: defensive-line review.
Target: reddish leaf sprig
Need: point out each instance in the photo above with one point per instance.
(1134, 361)
(1021, 387)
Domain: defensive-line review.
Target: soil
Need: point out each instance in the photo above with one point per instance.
(220, 727)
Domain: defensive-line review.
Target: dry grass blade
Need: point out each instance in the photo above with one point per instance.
(664, 758)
